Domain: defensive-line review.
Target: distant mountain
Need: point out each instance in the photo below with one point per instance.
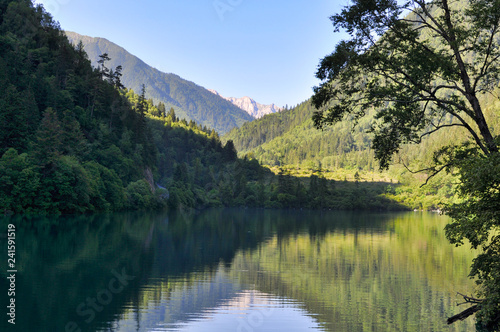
(189, 100)
(290, 138)
(250, 106)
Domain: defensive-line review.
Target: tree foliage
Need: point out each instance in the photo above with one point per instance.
(423, 67)
(69, 139)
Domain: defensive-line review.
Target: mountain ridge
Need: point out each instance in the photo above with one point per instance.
(190, 101)
(250, 106)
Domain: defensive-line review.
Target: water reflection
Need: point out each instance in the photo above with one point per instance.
(239, 270)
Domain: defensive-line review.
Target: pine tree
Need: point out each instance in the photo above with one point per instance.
(48, 144)
(229, 151)
(162, 110)
(171, 114)
(104, 71)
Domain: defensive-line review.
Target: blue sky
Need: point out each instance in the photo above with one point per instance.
(267, 50)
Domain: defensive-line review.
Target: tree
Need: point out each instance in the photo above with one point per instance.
(415, 70)
(171, 115)
(105, 72)
(19, 183)
(48, 138)
(229, 153)
(116, 77)
(422, 67)
(161, 109)
(476, 219)
(112, 76)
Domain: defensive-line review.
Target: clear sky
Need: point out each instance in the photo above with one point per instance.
(265, 49)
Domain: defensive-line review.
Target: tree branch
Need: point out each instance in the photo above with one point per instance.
(467, 312)
(439, 127)
(464, 314)
(470, 299)
(451, 87)
(488, 53)
(436, 172)
(440, 28)
(467, 126)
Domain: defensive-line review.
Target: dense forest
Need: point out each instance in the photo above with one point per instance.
(74, 140)
(290, 140)
(70, 142)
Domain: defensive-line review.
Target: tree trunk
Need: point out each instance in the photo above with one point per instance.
(464, 314)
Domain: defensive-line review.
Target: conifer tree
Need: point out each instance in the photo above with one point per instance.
(48, 144)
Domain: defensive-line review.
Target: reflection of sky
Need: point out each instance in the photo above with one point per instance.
(229, 308)
(275, 316)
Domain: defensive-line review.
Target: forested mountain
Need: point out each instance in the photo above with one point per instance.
(190, 101)
(290, 138)
(70, 142)
(74, 140)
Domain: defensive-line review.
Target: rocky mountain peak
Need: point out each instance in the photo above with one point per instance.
(251, 106)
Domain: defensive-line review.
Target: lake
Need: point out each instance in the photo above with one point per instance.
(236, 270)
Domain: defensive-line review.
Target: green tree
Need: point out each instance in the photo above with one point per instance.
(105, 72)
(48, 144)
(477, 219)
(171, 115)
(229, 152)
(415, 70)
(19, 183)
(72, 136)
(422, 66)
(162, 110)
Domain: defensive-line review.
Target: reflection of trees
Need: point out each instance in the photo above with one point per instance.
(355, 280)
(192, 251)
(318, 258)
(62, 262)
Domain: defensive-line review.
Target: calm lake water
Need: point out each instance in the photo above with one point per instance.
(236, 270)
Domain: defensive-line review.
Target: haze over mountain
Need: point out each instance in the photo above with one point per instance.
(250, 106)
(189, 100)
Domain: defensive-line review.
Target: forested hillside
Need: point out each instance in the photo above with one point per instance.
(74, 140)
(190, 101)
(70, 142)
(199, 171)
(289, 138)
